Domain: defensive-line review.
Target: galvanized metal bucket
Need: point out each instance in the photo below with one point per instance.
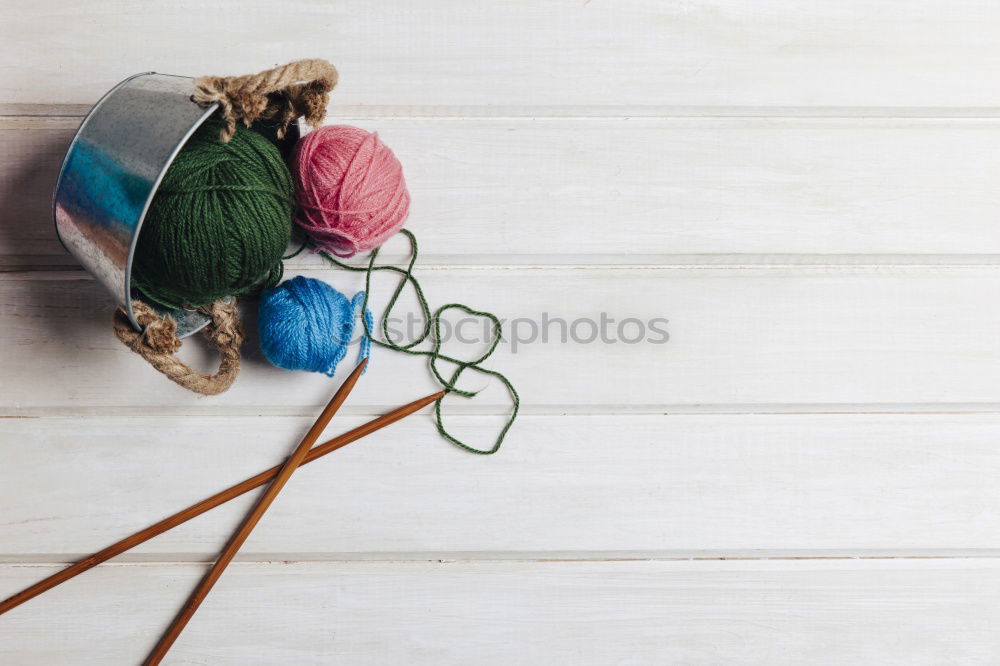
(112, 170)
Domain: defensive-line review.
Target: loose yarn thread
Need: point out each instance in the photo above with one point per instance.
(219, 222)
(432, 330)
(350, 190)
(305, 324)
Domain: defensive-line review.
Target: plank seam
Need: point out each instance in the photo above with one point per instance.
(161, 559)
(581, 112)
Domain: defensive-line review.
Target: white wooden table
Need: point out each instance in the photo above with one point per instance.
(807, 472)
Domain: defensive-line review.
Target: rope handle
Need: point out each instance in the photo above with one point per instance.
(304, 85)
(158, 342)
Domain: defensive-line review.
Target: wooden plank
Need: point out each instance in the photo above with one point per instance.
(629, 486)
(737, 340)
(780, 612)
(634, 190)
(526, 53)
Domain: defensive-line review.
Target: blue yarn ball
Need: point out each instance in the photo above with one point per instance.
(305, 324)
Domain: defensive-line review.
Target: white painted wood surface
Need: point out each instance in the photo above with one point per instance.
(677, 486)
(806, 192)
(562, 53)
(708, 612)
(639, 190)
(739, 338)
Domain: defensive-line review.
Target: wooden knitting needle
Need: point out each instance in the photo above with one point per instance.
(208, 504)
(242, 533)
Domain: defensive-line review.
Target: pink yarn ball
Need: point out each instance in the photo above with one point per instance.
(349, 188)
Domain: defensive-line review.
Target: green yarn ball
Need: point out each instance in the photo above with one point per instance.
(219, 223)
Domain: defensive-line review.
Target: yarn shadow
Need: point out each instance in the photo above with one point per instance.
(251, 347)
(69, 305)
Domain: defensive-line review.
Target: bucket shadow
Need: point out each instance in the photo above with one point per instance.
(47, 278)
(29, 165)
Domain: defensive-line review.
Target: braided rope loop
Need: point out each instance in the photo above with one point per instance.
(157, 342)
(298, 89)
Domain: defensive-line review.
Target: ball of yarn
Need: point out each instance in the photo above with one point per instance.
(219, 223)
(349, 188)
(305, 324)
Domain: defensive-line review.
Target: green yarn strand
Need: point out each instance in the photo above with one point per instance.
(432, 330)
(219, 223)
